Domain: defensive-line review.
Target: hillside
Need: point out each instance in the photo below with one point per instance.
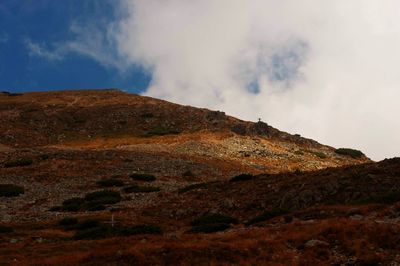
(133, 174)
(111, 119)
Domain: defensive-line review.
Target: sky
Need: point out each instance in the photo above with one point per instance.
(328, 70)
(54, 45)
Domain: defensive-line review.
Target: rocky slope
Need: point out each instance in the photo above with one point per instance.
(273, 198)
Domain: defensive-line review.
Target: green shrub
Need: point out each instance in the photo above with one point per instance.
(112, 182)
(143, 177)
(267, 215)
(161, 131)
(14, 94)
(192, 187)
(94, 201)
(242, 177)
(5, 229)
(19, 162)
(188, 173)
(239, 129)
(384, 198)
(95, 207)
(147, 115)
(68, 221)
(44, 157)
(288, 219)
(79, 120)
(103, 197)
(87, 224)
(349, 152)
(139, 229)
(10, 190)
(214, 218)
(56, 209)
(97, 230)
(73, 204)
(210, 228)
(73, 201)
(320, 154)
(297, 171)
(140, 189)
(7, 93)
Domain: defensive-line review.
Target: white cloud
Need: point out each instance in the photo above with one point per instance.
(96, 42)
(92, 40)
(38, 50)
(325, 69)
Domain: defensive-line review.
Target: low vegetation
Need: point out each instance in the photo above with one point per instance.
(385, 198)
(143, 177)
(19, 162)
(242, 177)
(79, 120)
(94, 201)
(95, 207)
(267, 215)
(214, 218)
(141, 189)
(93, 229)
(147, 115)
(5, 229)
(140, 229)
(161, 131)
(193, 187)
(210, 223)
(10, 190)
(87, 224)
(320, 154)
(112, 182)
(299, 152)
(44, 157)
(187, 173)
(11, 93)
(97, 232)
(103, 197)
(68, 221)
(349, 152)
(73, 204)
(209, 228)
(239, 129)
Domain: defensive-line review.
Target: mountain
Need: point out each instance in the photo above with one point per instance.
(106, 177)
(111, 119)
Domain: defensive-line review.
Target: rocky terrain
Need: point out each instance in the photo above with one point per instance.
(105, 177)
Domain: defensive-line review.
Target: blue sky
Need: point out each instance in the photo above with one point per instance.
(46, 23)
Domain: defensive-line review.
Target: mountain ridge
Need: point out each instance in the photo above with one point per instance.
(95, 117)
